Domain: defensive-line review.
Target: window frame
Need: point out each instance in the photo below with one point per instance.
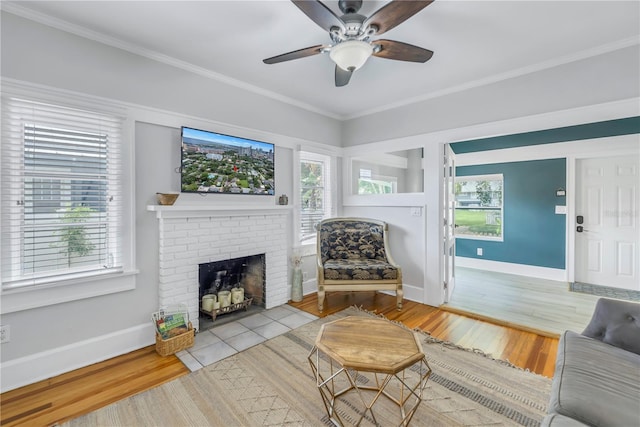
(483, 177)
(34, 292)
(308, 243)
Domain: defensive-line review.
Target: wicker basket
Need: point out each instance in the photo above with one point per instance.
(173, 345)
(167, 198)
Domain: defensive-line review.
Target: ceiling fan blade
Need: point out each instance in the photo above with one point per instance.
(391, 49)
(395, 13)
(320, 14)
(342, 76)
(296, 54)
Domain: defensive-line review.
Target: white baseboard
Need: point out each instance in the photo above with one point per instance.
(40, 366)
(412, 293)
(510, 268)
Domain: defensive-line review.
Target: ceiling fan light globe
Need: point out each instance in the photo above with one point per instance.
(351, 54)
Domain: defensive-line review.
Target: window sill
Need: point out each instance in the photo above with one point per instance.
(28, 298)
(485, 238)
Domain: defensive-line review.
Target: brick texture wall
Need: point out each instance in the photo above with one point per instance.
(186, 242)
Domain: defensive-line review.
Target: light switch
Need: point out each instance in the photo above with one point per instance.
(561, 210)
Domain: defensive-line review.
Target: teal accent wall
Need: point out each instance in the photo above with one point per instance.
(533, 233)
(626, 126)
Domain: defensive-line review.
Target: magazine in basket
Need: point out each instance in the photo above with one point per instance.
(174, 331)
(171, 321)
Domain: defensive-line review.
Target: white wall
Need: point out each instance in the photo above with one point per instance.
(605, 78)
(41, 54)
(54, 339)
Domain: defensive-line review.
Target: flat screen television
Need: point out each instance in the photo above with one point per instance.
(223, 164)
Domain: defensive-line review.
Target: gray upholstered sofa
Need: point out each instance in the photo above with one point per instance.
(597, 376)
(353, 255)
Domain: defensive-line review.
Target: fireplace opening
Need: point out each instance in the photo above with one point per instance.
(221, 280)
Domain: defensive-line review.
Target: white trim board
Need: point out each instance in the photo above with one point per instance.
(595, 147)
(40, 366)
(411, 293)
(510, 268)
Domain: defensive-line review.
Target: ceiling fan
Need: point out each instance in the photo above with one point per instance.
(351, 33)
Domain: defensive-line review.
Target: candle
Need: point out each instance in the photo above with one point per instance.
(207, 302)
(225, 298)
(237, 295)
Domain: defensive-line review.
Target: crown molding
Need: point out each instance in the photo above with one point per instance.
(595, 51)
(84, 32)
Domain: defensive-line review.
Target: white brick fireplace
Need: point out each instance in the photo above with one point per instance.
(193, 235)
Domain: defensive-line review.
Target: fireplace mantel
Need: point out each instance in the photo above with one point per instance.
(191, 211)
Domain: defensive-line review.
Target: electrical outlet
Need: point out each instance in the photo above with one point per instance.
(4, 333)
(416, 211)
(479, 251)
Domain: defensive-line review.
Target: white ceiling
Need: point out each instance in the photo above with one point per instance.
(475, 43)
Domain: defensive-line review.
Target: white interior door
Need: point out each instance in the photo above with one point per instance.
(607, 229)
(448, 211)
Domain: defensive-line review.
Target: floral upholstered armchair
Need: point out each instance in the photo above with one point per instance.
(353, 255)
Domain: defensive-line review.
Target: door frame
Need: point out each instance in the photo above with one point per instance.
(448, 222)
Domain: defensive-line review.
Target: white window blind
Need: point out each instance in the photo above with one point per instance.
(315, 193)
(61, 193)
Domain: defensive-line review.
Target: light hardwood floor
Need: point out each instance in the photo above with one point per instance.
(543, 306)
(525, 349)
(78, 392)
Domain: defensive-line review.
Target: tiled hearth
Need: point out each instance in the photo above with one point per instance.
(229, 338)
(192, 235)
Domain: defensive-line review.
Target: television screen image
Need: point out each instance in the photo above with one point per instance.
(217, 163)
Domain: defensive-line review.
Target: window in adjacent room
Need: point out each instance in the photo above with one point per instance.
(371, 183)
(315, 193)
(62, 204)
(479, 207)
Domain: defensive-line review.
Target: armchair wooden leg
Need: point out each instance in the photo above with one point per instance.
(320, 298)
(399, 295)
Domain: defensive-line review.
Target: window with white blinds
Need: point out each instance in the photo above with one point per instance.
(61, 193)
(315, 193)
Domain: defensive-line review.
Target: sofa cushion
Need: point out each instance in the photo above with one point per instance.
(596, 383)
(617, 323)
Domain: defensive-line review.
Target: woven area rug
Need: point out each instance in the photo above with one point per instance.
(271, 384)
(604, 291)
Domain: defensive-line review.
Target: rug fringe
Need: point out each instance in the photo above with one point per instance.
(429, 339)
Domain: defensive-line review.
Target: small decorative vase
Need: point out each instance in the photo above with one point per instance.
(296, 285)
(283, 200)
